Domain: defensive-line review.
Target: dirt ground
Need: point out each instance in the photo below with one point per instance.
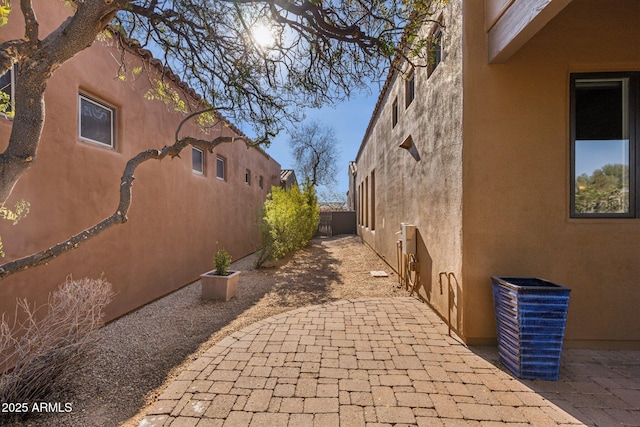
(141, 352)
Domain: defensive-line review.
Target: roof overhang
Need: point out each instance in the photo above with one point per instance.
(512, 23)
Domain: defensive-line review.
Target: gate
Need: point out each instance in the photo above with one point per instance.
(337, 222)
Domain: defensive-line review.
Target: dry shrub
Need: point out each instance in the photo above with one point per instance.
(44, 351)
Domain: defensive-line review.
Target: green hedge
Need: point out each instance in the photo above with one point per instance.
(289, 220)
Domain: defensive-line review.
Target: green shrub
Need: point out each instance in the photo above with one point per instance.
(222, 261)
(289, 220)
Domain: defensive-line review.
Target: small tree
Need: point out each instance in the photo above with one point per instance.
(289, 220)
(315, 149)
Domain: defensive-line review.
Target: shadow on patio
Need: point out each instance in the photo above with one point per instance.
(597, 387)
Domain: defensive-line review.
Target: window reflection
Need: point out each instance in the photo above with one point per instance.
(601, 147)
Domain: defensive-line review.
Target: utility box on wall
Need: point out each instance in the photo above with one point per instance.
(408, 239)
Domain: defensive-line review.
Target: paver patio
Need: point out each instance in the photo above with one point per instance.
(385, 362)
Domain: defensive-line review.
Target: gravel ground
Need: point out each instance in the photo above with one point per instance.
(141, 352)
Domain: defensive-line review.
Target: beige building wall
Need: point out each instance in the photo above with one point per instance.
(490, 193)
(516, 175)
(423, 185)
(177, 218)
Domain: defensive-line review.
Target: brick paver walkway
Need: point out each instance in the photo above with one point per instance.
(368, 362)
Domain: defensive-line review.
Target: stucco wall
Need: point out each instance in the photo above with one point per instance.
(516, 174)
(176, 218)
(425, 192)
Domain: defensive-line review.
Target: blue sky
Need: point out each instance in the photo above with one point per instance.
(348, 119)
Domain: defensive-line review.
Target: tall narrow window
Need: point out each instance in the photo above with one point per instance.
(197, 160)
(603, 145)
(247, 177)
(7, 94)
(435, 50)
(410, 89)
(361, 207)
(97, 121)
(373, 200)
(394, 113)
(261, 182)
(366, 202)
(221, 168)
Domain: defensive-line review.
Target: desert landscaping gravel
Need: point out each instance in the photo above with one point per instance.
(141, 352)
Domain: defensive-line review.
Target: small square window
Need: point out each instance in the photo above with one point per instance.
(221, 168)
(7, 88)
(261, 182)
(247, 177)
(410, 89)
(197, 160)
(394, 113)
(97, 122)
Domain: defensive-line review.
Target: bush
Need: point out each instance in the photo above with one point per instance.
(37, 355)
(222, 261)
(289, 220)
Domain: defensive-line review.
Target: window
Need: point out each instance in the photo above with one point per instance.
(261, 182)
(373, 200)
(247, 177)
(366, 202)
(410, 89)
(96, 121)
(435, 50)
(7, 92)
(603, 145)
(197, 160)
(394, 113)
(221, 168)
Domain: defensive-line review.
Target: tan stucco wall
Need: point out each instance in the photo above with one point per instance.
(425, 192)
(516, 174)
(176, 217)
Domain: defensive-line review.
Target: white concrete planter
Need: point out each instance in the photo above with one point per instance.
(220, 288)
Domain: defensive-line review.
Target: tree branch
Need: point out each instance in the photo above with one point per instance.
(120, 214)
(31, 25)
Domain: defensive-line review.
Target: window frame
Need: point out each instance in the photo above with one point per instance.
(634, 157)
(224, 168)
(202, 161)
(394, 113)
(247, 177)
(111, 109)
(410, 88)
(435, 44)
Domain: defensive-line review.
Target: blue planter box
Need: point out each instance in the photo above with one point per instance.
(531, 315)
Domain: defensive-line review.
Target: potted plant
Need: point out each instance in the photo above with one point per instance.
(220, 284)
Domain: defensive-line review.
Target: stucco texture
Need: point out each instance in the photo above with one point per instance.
(177, 219)
(516, 169)
(421, 186)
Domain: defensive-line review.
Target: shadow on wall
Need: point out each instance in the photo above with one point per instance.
(448, 290)
(425, 284)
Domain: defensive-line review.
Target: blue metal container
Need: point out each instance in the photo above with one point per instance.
(531, 314)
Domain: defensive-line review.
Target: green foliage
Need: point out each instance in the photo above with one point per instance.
(5, 9)
(6, 106)
(289, 220)
(605, 191)
(19, 211)
(222, 261)
(162, 91)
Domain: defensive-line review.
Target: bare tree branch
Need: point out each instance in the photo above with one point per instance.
(124, 203)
